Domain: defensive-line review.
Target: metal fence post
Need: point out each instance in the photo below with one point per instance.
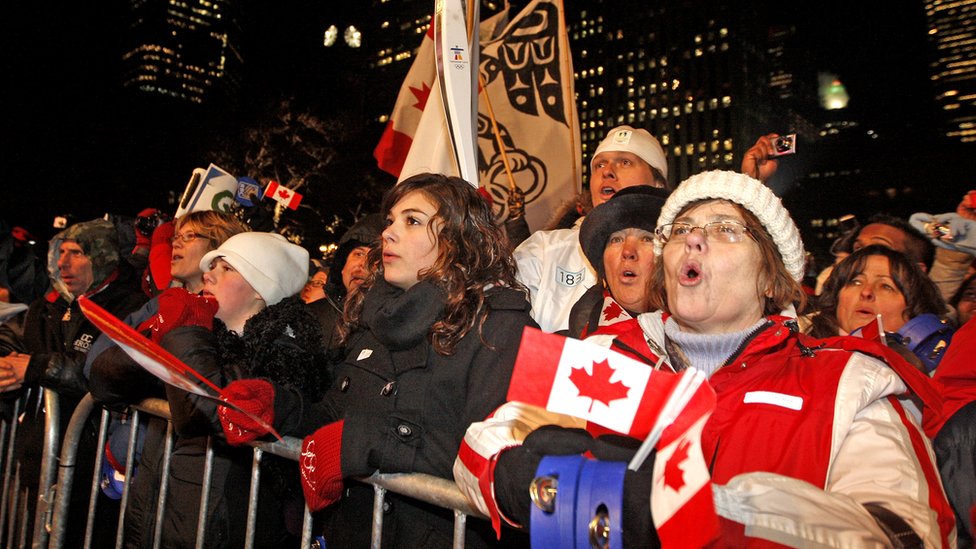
(76, 426)
(45, 488)
(9, 437)
(379, 497)
(205, 494)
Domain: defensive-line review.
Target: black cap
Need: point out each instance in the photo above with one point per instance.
(631, 207)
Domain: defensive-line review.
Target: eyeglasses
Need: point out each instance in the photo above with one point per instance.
(316, 283)
(185, 237)
(719, 231)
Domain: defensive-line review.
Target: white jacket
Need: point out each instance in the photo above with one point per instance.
(552, 266)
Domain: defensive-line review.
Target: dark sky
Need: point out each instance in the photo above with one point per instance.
(74, 142)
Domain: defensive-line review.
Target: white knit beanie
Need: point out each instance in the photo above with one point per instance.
(750, 194)
(274, 267)
(639, 142)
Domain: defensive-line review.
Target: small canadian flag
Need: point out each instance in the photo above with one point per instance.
(588, 381)
(283, 195)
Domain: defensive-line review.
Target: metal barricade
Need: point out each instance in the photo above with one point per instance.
(436, 491)
(21, 503)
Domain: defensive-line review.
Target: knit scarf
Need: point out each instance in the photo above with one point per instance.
(400, 319)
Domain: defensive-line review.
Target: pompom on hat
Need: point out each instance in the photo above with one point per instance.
(751, 195)
(636, 141)
(274, 267)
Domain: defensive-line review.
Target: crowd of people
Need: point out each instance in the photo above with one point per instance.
(844, 414)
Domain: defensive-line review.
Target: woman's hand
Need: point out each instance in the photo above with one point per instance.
(759, 161)
(13, 368)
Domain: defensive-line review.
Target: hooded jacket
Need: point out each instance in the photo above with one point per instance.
(57, 336)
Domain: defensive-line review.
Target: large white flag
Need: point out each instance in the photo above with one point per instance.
(528, 75)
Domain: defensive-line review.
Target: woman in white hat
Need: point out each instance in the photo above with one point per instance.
(805, 446)
(262, 330)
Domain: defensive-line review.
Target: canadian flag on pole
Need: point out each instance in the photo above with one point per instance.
(681, 495)
(528, 76)
(591, 382)
(283, 195)
(588, 381)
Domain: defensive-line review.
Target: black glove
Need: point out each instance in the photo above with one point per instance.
(516, 466)
(638, 526)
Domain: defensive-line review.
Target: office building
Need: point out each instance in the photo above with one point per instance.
(186, 50)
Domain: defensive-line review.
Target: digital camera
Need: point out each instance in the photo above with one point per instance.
(784, 144)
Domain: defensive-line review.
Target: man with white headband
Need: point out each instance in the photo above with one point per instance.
(551, 264)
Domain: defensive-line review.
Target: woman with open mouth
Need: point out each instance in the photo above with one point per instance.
(782, 456)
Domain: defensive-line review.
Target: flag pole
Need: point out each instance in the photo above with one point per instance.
(498, 134)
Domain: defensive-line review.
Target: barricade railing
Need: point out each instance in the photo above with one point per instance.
(9, 501)
(19, 503)
(432, 490)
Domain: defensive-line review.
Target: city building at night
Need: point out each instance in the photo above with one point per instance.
(952, 35)
(185, 50)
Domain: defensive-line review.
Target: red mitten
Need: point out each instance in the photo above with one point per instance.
(178, 307)
(161, 254)
(321, 466)
(254, 396)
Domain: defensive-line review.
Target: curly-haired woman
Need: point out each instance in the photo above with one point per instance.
(431, 336)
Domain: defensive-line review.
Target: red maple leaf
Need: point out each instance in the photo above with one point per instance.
(612, 311)
(597, 386)
(283, 193)
(674, 475)
(421, 94)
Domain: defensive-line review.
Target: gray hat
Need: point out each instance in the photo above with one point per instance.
(630, 207)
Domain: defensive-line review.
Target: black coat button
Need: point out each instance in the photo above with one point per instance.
(344, 384)
(388, 389)
(404, 430)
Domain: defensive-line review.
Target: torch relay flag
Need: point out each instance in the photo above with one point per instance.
(157, 360)
(527, 74)
(591, 382)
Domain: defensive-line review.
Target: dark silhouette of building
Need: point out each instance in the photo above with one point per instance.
(187, 51)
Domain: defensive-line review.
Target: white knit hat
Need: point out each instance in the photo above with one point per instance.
(274, 267)
(750, 194)
(639, 142)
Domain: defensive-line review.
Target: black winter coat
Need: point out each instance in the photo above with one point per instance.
(281, 343)
(406, 407)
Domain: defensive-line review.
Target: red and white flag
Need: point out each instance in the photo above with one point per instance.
(588, 381)
(528, 73)
(591, 382)
(681, 495)
(283, 195)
